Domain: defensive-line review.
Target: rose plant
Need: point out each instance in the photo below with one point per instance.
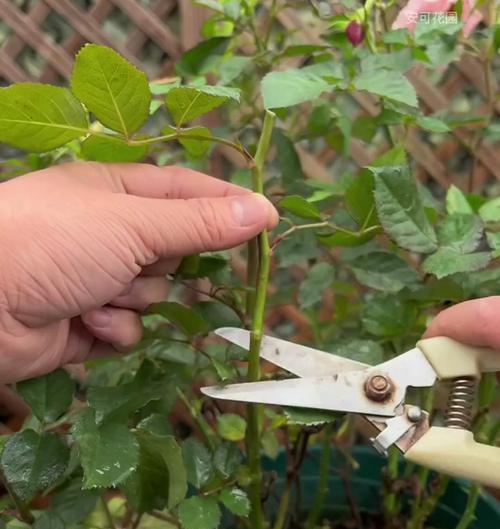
(360, 261)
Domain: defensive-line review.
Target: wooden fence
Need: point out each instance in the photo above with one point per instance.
(163, 29)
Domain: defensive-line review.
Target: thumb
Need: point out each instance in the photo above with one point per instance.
(175, 228)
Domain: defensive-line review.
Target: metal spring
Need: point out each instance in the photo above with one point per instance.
(459, 412)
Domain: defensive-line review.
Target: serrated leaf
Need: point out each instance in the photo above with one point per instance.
(217, 314)
(109, 452)
(49, 396)
(318, 279)
(359, 200)
(494, 243)
(291, 87)
(199, 512)
(432, 124)
(301, 208)
(113, 89)
(437, 290)
(186, 103)
(490, 212)
(447, 261)
(231, 427)
(31, 462)
(387, 83)
(195, 140)
(118, 403)
(308, 417)
(383, 271)
(160, 479)
(400, 209)
(198, 462)
(38, 118)
(236, 500)
(288, 159)
(388, 315)
(227, 458)
(186, 319)
(456, 202)
(461, 232)
(111, 149)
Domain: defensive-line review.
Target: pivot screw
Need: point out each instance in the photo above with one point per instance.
(378, 387)
(414, 413)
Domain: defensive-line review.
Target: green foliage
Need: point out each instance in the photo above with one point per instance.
(236, 500)
(199, 512)
(231, 427)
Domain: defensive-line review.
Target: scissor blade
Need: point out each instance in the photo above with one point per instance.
(297, 359)
(336, 393)
(410, 369)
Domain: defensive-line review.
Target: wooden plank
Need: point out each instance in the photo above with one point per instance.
(153, 27)
(192, 19)
(25, 28)
(11, 71)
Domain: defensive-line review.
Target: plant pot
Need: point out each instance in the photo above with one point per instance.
(366, 490)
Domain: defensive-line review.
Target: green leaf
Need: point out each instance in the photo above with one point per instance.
(456, 202)
(270, 444)
(236, 500)
(199, 512)
(388, 315)
(308, 417)
(494, 243)
(359, 200)
(195, 266)
(301, 208)
(179, 353)
(400, 61)
(186, 103)
(157, 424)
(364, 351)
(394, 157)
(318, 279)
(160, 479)
(437, 290)
(49, 396)
(231, 427)
(387, 83)
(288, 159)
(113, 89)
(118, 403)
(490, 212)
(227, 459)
(112, 149)
(400, 209)
(232, 67)
(186, 319)
(38, 118)
(291, 87)
(109, 452)
(217, 314)
(32, 462)
(198, 462)
(461, 232)
(383, 271)
(203, 58)
(224, 371)
(447, 261)
(192, 139)
(432, 124)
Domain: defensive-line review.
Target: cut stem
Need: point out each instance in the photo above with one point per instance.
(260, 271)
(469, 514)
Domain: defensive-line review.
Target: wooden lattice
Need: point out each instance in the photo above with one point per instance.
(154, 34)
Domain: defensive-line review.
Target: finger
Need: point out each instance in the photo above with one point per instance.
(472, 322)
(119, 327)
(174, 182)
(162, 267)
(176, 228)
(143, 292)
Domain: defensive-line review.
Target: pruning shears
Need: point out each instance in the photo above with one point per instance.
(378, 393)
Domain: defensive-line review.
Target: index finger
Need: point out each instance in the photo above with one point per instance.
(474, 322)
(174, 182)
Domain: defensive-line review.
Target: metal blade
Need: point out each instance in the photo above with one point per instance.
(343, 392)
(297, 359)
(410, 369)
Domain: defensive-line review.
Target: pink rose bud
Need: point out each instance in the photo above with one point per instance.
(355, 33)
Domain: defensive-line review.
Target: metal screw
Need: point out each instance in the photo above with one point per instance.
(414, 413)
(378, 387)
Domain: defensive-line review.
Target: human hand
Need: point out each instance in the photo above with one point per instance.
(474, 322)
(85, 247)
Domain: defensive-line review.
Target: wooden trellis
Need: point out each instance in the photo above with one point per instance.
(172, 26)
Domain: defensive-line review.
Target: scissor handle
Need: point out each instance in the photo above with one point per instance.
(452, 359)
(453, 451)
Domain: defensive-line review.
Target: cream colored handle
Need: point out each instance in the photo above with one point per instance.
(451, 359)
(454, 452)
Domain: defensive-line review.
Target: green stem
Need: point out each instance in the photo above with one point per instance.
(324, 471)
(252, 269)
(21, 507)
(107, 512)
(390, 500)
(262, 275)
(200, 421)
(428, 506)
(468, 516)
